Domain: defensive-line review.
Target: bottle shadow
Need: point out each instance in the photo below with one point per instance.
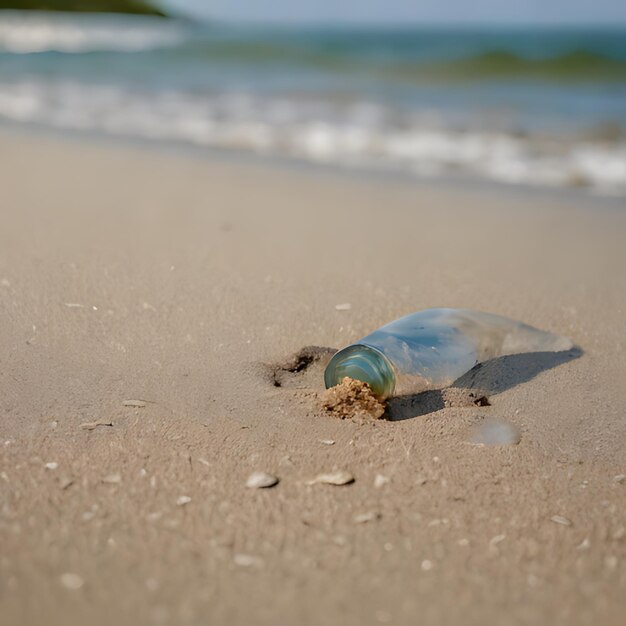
(491, 378)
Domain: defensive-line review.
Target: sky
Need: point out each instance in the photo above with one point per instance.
(409, 11)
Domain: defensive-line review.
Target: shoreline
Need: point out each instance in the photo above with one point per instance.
(578, 196)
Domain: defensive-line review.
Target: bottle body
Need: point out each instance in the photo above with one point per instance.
(432, 348)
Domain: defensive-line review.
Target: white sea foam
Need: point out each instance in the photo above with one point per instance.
(26, 32)
(324, 131)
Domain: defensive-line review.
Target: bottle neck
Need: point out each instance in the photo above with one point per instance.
(363, 363)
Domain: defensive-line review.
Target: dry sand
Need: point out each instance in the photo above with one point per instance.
(185, 285)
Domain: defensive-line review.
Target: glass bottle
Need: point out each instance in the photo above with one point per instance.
(432, 348)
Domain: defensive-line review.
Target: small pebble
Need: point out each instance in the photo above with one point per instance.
(370, 516)
(72, 581)
(346, 306)
(559, 519)
(427, 565)
(334, 478)
(112, 479)
(261, 480)
(52, 465)
(327, 442)
(247, 560)
(619, 479)
(380, 481)
(182, 500)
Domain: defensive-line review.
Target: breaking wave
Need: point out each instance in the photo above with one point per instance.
(357, 135)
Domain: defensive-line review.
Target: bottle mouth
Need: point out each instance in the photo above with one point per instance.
(363, 363)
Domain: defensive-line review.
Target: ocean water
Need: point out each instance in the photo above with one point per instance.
(540, 107)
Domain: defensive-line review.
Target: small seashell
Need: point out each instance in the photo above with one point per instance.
(182, 500)
(370, 516)
(559, 519)
(333, 478)
(52, 465)
(135, 403)
(328, 442)
(261, 480)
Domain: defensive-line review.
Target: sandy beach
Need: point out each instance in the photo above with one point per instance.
(150, 304)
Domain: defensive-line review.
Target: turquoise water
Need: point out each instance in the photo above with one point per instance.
(520, 106)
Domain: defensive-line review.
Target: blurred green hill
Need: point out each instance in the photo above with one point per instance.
(139, 7)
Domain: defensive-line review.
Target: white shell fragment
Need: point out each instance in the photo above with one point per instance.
(343, 307)
(182, 500)
(261, 480)
(112, 479)
(134, 403)
(370, 516)
(333, 478)
(52, 465)
(559, 519)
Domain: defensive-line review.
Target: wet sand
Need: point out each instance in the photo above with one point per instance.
(151, 306)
